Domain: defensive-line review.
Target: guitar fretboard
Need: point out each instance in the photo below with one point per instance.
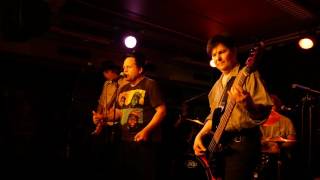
(227, 113)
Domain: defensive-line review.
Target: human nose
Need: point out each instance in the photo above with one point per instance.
(218, 57)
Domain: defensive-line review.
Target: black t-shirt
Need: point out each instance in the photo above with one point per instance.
(137, 105)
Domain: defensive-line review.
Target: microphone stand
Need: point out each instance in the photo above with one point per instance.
(113, 130)
(195, 97)
(306, 121)
(306, 126)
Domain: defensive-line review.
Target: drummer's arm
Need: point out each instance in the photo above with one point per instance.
(269, 147)
(291, 143)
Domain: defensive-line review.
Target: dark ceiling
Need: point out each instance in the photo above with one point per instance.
(178, 27)
(186, 26)
(173, 33)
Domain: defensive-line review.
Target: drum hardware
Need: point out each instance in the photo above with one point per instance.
(189, 167)
(279, 139)
(270, 162)
(197, 121)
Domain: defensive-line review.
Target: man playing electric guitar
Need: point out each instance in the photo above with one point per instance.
(246, 105)
(113, 83)
(107, 131)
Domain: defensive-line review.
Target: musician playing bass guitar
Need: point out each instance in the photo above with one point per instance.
(239, 102)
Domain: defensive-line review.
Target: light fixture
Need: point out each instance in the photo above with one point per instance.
(212, 64)
(130, 42)
(306, 43)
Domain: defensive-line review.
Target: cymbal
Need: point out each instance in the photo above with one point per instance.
(195, 121)
(279, 139)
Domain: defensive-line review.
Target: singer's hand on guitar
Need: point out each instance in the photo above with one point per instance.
(97, 117)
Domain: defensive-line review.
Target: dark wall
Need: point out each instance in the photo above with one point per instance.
(45, 109)
(22, 20)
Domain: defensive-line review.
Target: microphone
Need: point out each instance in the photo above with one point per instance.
(285, 108)
(122, 75)
(294, 86)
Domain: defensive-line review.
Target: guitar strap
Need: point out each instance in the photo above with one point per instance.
(215, 161)
(222, 104)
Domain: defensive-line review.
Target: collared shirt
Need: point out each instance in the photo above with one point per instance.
(240, 117)
(108, 93)
(281, 127)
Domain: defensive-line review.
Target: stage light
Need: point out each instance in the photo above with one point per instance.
(212, 64)
(306, 43)
(130, 42)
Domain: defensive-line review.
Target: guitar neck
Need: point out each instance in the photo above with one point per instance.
(227, 112)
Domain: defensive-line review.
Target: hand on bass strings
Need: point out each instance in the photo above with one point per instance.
(198, 146)
(238, 94)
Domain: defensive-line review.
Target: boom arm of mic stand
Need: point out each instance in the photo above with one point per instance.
(195, 97)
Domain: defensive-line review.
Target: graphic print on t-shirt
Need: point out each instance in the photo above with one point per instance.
(132, 119)
(131, 103)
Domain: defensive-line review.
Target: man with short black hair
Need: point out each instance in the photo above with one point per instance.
(141, 108)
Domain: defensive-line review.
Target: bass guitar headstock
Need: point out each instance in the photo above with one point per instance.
(255, 52)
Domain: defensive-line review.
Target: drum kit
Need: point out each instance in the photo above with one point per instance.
(193, 127)
(190, 167)
(187, 165)
(271, 162)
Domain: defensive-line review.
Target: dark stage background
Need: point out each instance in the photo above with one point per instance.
(50, 83)
(46, 109)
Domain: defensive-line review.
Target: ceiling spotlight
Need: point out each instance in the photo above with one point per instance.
(212, 64)
(130, 42)
(306, 43)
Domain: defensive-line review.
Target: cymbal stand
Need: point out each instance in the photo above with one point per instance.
(279, 162)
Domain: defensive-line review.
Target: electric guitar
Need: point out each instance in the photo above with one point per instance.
(214, 145)
(103, 110)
